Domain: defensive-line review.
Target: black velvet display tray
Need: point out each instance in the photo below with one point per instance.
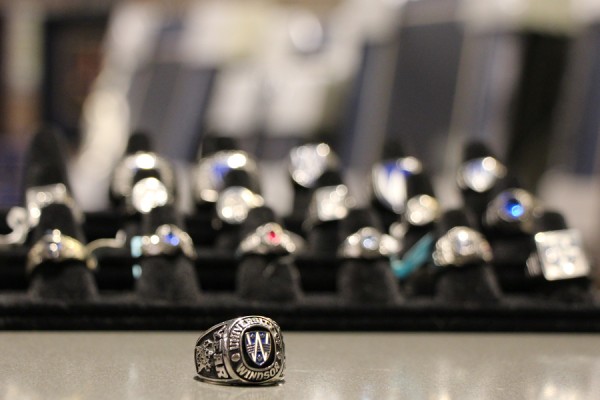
(320, 307)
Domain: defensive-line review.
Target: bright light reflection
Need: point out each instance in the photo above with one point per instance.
(145, 161)
(236, 161)
(323, 149)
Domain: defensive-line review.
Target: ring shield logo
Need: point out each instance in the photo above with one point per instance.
(258, 346)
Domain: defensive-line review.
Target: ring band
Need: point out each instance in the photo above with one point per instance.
(242, 351)
(56, 247)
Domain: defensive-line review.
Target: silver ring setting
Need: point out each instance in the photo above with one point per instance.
(309, 161)
(243, 351)
(328, 203)
(39, 197)
(422, 210)
(271, 238)
(22, 220)
(389, 181)
(460, 246)
(56, 247)
(211, 171)
(168, 240)
(147, 194)
(559, 255)
(17, 221)
(235, 202)
(480, 174)
(513, 209)
(369, 243)
(122, 182)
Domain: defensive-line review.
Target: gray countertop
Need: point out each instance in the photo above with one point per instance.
(328, 366)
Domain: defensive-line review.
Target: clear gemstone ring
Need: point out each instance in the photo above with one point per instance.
(369, 243)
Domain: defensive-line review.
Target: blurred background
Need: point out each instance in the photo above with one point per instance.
(521, 75)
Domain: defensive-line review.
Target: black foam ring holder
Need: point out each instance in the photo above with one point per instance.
(322, 237)
(474, 201)
(266, 277)
(230, 234)
(69, 279)
(324, 292)
(365, 280)
(421, 282)
(475, 283)
(320, 305)
(166, 277)
(578, 290)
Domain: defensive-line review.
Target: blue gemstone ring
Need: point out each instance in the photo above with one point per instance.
(209, 174)
(242, 351)
(388, 179)
(168, 240)
(512, 210)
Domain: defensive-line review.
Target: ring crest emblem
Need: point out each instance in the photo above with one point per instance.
(258, 346)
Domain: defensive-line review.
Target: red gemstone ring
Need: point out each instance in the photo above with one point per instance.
(271, 238)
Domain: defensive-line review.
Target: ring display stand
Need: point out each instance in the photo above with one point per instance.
(319, 308)
(313, 290)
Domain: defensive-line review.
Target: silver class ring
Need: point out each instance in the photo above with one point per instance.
(57, 247)
(242, 351)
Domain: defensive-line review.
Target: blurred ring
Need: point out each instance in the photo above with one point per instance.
(271, 238)
(369, 243)
(559, 255)
(460, 246)
(328, 203)
(56, 247)
(512, 209)
(39, 197)
(235, 202)
(168, 240)
(308, 162)
(211, 171)
(480, 174)
(122, 181)
(422, 210)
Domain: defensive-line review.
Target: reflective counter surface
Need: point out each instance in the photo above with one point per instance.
(329, 366)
